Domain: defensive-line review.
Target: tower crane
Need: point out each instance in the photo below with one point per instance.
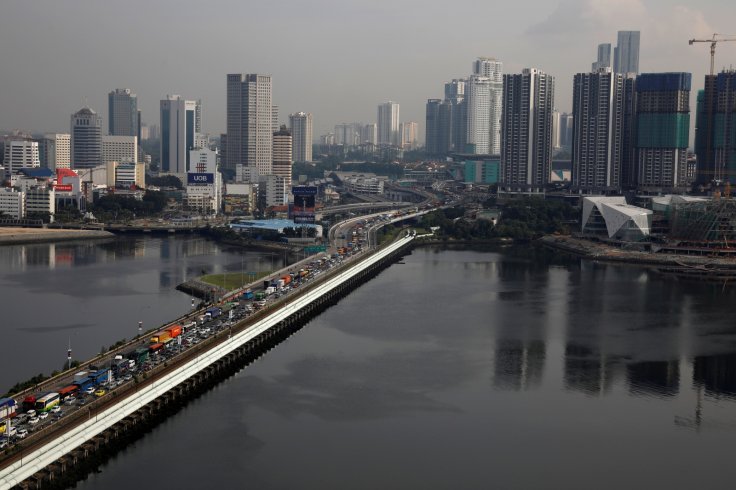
(717, 38)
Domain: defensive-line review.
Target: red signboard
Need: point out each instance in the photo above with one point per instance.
(63, 187)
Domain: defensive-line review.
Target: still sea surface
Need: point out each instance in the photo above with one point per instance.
(493, 368)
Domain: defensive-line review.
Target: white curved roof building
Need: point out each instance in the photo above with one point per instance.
(611, 216)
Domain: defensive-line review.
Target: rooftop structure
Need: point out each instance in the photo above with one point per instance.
(612, 217)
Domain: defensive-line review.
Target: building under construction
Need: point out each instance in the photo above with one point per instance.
(708, 224)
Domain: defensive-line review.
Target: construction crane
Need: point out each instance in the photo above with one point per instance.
(713, 41)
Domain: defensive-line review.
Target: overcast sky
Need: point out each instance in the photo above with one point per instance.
(335, 58)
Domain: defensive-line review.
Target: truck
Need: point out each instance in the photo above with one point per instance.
(80, 375)
(138, 355)
(270, 290)
(174, 331)
(260, 295)
(286, 279)
(7, 408)
(84, 384)
(100, 376)
(160, 336)
(249, 294)
(214, 312)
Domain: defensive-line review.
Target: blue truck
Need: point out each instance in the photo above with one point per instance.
(214, 312)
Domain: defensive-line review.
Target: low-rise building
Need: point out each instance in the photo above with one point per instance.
(610, 217)
(12, 203)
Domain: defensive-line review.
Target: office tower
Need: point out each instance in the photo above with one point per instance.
(249, 122)
(55, 151)
(447, 126)
(388, 124)
(492, 69)
(598, 131)
(121, 149)
(86, 138)
(20, 153)
(432, 126)
(369, 134)
(715, 129)
(123, 113)
(663, 130)
(408, 132)
(282, 157)
(455, 95)
(526, 130)
(604, 58)
(626, 53)
(300, 125)
(178, 118)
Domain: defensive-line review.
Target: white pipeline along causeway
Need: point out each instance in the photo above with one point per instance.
(38, 459)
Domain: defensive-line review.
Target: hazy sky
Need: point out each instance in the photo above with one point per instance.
(335, 58)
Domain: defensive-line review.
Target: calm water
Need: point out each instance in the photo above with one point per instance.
(472, 369)
(94, 293)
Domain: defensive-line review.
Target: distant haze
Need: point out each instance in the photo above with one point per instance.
(336, 59)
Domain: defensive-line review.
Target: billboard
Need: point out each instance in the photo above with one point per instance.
(304, 190)
(303, 210)
(200, 179)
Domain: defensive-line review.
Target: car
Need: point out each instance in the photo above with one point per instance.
(43, 415)
(90, 390)
(34, 420)
(4, 442)
(56, 409)
(22, 432)
(30, 413)
(100, 392)
(128, 377)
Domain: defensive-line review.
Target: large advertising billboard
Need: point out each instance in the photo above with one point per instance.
(200, 179)
(303, 210)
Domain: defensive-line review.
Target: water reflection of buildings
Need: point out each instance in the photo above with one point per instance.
(717, 374)
(519, 365)
(658, 378)
(587, 370)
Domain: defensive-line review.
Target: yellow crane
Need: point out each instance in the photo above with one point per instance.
(713, 41)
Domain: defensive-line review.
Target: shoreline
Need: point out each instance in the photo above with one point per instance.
(688, 266)
(18, 236)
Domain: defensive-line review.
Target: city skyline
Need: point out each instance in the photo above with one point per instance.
(560, 38)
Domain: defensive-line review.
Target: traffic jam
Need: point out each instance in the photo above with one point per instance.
(20, 418)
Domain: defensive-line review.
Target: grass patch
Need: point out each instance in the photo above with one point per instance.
(232, 280)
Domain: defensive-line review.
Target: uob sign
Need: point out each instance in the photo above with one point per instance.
(200, 179)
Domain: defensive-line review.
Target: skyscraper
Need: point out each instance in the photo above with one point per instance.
(301, 136)
(478, 104)
(249, 122)
(408, 132)
(122, 113)
(432, 126)
(626, 54)
(663, 131)
(526, 129)
(598, 131)
(492, 69)
(369, 134)
(604, 58)
(282, 160)
(388, 124)
(455, 95)
(86, 139)
(715, 131)
(178, 118)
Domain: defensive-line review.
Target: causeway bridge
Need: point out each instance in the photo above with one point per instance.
(55, 455)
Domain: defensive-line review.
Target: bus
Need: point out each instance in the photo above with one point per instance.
(68, 391)
(47, 402)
